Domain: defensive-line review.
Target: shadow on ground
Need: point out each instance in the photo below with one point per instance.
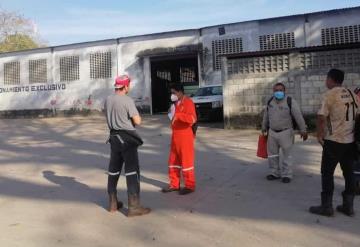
(230, 180)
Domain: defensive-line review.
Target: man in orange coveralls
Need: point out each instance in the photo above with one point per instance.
(182, 151)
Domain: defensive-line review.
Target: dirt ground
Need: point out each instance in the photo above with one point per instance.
(53, 191)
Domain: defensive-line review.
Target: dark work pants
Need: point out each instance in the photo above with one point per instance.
(121, 154)
(333, 154)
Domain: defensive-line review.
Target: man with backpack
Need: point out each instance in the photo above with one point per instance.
(281, 117)
(336, 134)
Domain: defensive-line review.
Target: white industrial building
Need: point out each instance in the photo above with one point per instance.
(81, 75)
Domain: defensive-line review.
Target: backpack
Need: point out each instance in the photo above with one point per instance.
(357, 120)
(289, 103)
(195, 125)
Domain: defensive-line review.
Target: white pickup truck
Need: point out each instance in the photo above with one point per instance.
(208, 101)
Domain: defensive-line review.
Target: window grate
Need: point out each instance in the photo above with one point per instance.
(38, 71)
(187, 75)
(12, 73)
(277, 41)
(225, 46)
(257, 65)
(340, 35)
(165, 75)
(100, 65)
(69, 68)
(348, 59)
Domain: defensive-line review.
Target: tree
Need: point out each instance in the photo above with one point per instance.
(16, 42)
(17, 32)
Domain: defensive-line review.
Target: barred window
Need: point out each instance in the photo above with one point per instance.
(277, 41)
(38, 71)
(163, 74)
(340, 35)
(69, 68)
(225, 46)
(100, 65)
(12, 73)
(187, 74)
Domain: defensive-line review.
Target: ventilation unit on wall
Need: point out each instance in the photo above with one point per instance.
(277, 41)
(344, 59)
(100, 65)
(38, 71)
(221, 31)
(69, 68)
(340, 35)
(225, 46)
(12, 73)
(264, 64)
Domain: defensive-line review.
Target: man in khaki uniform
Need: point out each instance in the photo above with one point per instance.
(281, 113)
(338, 112)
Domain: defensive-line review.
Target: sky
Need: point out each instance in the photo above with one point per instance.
(64, 21)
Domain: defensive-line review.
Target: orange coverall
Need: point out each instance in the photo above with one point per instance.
(182, 145)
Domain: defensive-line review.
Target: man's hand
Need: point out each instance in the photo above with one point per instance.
(264, 132)
(321, 140)
(304, 135)
(321, 129)
(173, 120)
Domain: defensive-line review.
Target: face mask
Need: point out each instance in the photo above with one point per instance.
(279, 95)
(174, 98)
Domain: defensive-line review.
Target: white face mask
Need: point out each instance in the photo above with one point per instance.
(174, 98)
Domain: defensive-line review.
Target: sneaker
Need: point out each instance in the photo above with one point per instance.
(185, 191)
(286, 180)
(272, 177)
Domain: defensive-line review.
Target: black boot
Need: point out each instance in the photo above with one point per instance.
(325, 209)
(114, 204)
(135, 209)
(347, 207)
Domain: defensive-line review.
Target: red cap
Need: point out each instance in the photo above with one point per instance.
(122, 81)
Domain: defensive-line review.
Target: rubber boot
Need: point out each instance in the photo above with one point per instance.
(347, 207)
(135, 209)
(114, 204)
(325, 209)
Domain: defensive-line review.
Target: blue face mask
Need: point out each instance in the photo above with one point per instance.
(279, 95)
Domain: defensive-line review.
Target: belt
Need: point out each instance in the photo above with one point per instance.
(278, 131)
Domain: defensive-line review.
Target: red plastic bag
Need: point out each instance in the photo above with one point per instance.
(262, 147)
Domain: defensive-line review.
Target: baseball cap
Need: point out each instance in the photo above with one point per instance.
(122, 81)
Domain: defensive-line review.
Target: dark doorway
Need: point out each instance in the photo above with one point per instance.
(167, 71)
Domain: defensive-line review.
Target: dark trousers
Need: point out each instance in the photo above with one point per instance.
(121, 154)
(333, 154)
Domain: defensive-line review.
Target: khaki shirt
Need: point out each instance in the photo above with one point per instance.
(340, 110)
(277, 116)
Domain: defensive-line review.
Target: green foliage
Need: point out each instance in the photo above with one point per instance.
(18, 42)
(17, 32)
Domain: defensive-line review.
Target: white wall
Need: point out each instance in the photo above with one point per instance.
(125, 59)
(68, 94)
